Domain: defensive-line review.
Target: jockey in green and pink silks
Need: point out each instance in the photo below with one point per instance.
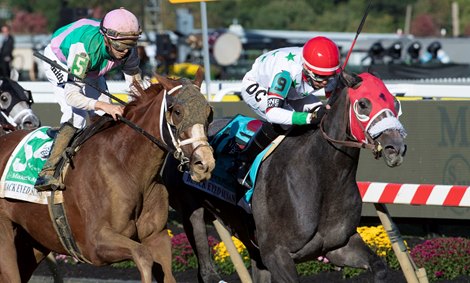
(89, 49)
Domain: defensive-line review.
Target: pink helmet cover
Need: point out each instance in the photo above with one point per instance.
(121, 24)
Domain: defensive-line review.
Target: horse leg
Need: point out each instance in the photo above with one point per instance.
(259, 272)
(279, 262)
(9, 271)
(114, 247)
(195, 229)
(357, 254)
(29, 253)
(153, 233)
(159, 245)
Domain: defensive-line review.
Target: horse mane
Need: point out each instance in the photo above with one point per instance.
(146, 96)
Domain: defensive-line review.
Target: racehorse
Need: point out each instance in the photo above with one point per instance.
(114, 204)
(15, 107)
(305, 202)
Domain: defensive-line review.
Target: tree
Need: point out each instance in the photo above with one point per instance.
(424, 25)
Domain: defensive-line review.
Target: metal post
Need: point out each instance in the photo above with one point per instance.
(205, 47)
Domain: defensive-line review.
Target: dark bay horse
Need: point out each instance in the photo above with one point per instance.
(306, 202)
(116, 208)
(15, 107)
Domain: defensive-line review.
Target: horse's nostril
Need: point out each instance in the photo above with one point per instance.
(405, 147)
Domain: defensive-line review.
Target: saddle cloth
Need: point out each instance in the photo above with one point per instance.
(23, 167)
(227, 143)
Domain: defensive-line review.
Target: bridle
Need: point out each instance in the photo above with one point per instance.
(173, 130)
(23, 115)
(371, 143)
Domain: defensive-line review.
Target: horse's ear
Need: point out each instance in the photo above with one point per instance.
(397, 105)
(350, 80)
(210, 114)
(170, 100)
(166, 83)
(199, 77)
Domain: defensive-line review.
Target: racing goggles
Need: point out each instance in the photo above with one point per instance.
(114, 34)
(122, 45)
(315, 77)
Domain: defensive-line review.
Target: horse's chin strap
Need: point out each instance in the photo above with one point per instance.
(10, 120)
(22, 115)
(177, 143)
(372, 144)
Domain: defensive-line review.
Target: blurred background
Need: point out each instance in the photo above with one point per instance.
(395, 33)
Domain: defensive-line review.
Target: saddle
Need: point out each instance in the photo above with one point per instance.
(227, 143)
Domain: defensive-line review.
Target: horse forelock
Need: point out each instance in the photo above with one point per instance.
(193, 101)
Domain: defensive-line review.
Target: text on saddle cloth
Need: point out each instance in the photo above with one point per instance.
(24, 165)
(226, 143)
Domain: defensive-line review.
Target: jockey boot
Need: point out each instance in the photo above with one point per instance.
(46, 177)
(262, 138)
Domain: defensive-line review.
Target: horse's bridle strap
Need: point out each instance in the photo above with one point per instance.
(345, 143)
(145, 133)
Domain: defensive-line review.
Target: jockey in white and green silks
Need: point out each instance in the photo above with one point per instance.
(89, 49)
(282, 88)
(282, 85)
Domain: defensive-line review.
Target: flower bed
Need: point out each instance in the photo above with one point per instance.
(443, 258)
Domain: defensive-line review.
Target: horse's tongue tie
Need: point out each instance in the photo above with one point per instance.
(378, 150)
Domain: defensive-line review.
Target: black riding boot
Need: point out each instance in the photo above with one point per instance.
(46, 177)
(262, 138)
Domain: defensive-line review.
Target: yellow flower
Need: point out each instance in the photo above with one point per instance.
(221, 252)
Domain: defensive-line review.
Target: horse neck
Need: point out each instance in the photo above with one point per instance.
(147, 114)
(337, 127)
(136, 150)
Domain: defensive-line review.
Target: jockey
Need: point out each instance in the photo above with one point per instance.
(282, 88)
(89, 49)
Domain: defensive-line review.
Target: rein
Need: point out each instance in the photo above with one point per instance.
(372, 144)
(176, 149)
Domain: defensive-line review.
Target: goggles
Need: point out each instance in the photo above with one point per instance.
(315, 77)
(114, 34)
(122, 45)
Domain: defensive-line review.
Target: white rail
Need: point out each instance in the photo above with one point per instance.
(42, 91)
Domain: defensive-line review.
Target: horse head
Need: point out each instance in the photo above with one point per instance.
(15, 105)
(373, 114)
(187, 115)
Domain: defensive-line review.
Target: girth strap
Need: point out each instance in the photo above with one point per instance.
(62, 227)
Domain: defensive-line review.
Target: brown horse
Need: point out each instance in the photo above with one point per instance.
(114, 204)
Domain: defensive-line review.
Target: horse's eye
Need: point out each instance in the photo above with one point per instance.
(177, 112)
(4, 98)
(362, 104)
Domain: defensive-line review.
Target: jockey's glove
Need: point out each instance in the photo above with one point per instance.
(137, 78)
(317, 114)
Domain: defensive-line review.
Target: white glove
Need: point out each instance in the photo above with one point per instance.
(144, 83)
